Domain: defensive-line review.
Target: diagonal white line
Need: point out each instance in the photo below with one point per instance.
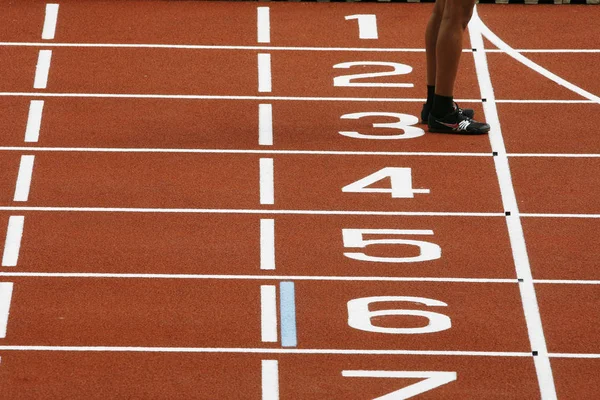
(528, 297)
(12, 245)
(6, 290)
(24, 178)
(34, 121)
(42, 69)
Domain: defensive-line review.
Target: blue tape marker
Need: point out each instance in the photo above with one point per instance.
(287, 303)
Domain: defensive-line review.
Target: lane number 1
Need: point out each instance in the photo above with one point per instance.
(367, 25)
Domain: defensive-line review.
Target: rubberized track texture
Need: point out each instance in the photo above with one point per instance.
(217, 200)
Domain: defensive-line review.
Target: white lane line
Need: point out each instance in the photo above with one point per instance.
(246, 350)
(272, 48)
(567, 281)
(492, 37)
(24, 178)
(241, 151)
(263, 24)
(104, 275)
(42, 69)
(267, 244)
(50, 21)
(267, 184)
(265, 124)
(573, 355)
(6, 290)
(554, 155)
(515, 230)
(267, 98)
(12, 245)
(270, 380)
(268, 313)
(536, 215)
(251, 211)
(264, 73)
(34, 121)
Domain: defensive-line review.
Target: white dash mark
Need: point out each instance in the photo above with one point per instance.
(50, 21)
(265, 124)
(6, 289)
(267, 244)
(42, 69)
(34, 121)
(264, 73)
(24, 178)
(264, 25)
(267, 185)
(270, 380)
(268, 313)
(12, 245)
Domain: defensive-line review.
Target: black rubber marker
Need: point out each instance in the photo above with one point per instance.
(535, 353)
(507, 213)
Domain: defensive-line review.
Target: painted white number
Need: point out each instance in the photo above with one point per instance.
(367, 25)
(360, 317)
(400, 183)
(346, 80)
(405, 124)
(353, 238)
(431, 380)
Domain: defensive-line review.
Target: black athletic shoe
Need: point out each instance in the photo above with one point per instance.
(467, 112)
(458, 123)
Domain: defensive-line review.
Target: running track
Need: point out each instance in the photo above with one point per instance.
(197, 204)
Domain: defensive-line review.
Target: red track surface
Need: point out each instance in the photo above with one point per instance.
(138, 271)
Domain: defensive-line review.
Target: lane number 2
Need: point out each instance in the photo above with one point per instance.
(351, 80)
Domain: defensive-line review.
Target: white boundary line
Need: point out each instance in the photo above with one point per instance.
(24, 178)
(6, 290)
(239, 151)
(283, 212)
(105, 275)
(268, 313)
(50, 21)
(303, 152)
(12, 245)
(270, 98)
(270, 380)
(271, 48)
(34, 121)
(237, 350)
(42, 69)
(528, 297)
(267, 351)
(251, 211)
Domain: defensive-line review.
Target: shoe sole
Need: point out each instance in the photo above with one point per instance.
(433, 130)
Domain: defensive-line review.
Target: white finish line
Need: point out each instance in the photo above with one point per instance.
(515, 230)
